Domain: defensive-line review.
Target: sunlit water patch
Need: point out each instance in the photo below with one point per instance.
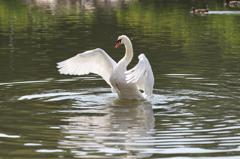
(224, 12)
(8, 136)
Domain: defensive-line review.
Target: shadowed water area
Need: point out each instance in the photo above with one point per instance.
(195, 109)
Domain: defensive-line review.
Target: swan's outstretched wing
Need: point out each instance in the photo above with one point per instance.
(93, 61)
(141, 75)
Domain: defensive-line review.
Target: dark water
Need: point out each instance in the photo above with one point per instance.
(194, 112)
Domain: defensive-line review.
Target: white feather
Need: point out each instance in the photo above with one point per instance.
(141, 75)
(93, 61)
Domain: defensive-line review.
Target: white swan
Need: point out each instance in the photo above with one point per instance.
(136, 83)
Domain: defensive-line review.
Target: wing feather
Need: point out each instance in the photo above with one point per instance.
(141, 75)
(95, 61)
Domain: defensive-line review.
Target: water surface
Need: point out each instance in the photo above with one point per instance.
(195, 109)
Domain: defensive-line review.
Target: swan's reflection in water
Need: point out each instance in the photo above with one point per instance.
(118, 131)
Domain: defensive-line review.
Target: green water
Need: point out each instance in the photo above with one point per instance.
(195, 109)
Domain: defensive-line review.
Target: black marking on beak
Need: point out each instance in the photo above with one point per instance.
(118, 43)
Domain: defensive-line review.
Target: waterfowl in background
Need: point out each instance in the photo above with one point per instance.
(232, 3)
(199, 11)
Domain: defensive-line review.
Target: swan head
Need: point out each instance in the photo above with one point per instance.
(122, 39)
(193, 9)
(227, 2)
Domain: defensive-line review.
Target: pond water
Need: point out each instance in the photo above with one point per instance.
(195, 109)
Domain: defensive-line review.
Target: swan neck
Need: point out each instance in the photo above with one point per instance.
(128, 52)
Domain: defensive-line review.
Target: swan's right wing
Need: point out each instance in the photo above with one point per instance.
(95, 61)
(141, 75)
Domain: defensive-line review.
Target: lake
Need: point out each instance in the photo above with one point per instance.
(193, 114)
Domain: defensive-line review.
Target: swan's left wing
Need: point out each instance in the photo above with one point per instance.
(141, 75)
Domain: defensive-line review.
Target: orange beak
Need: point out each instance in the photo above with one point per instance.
(118, 43)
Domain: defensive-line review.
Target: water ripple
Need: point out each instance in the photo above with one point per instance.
(8, 136)
(174, 122)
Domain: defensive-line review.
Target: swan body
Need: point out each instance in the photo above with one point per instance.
(136, 83)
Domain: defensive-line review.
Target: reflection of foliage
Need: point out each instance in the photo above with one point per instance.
(24, 16)
(21, 16)
(176, 24)
(164, 29)
(170, 20)
(12, 11)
